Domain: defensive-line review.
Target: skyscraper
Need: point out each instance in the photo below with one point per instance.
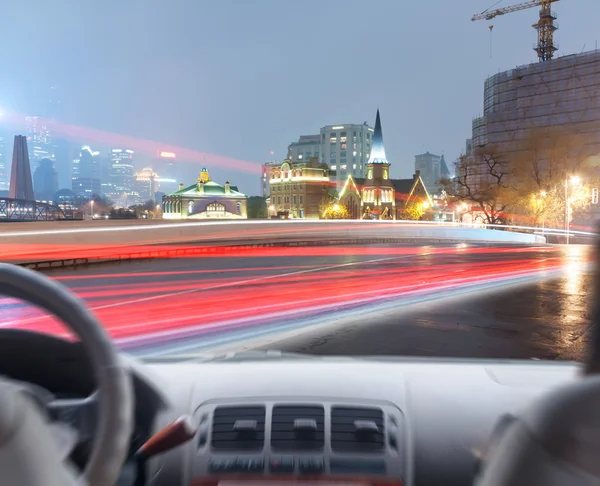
(4, 175)
(86, 173)
(122, 177)
(45, 180)
(21, 185)
(38, 139)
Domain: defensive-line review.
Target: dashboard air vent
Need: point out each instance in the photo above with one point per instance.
(357, 429)
(298, 427)
(238, 428)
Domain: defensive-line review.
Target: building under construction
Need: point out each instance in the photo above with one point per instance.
(561, 93)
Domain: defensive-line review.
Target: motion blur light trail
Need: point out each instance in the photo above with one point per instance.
(244, 290)
(20, 253)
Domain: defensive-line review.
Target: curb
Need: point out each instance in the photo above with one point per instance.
(220, 247)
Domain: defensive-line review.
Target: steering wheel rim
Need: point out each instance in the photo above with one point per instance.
(115, 425)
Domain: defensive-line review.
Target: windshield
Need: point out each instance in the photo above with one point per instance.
(316, 178)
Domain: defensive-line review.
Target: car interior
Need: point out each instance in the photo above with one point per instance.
(80, 412)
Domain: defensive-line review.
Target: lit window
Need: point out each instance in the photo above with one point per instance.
(238, 207)
(370, 176)
(215, 208)
(385, 173)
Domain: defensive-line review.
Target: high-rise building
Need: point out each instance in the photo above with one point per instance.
(146, 185)
(306, 147)
(122, 178)
(38, 139)
(21, 185)
(45, 180)
(86, 179)
(4, 175)
(432, 169)
(344, 148)
(165, 164)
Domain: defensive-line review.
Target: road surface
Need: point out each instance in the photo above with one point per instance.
(432, 300)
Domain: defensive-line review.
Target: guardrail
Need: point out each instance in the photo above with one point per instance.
(89, 243)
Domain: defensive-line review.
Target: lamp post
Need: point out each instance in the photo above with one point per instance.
(92, 208)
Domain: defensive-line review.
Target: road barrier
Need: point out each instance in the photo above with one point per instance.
(76, 243)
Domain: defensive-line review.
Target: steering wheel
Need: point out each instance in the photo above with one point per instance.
(555, 442)
(27, 453)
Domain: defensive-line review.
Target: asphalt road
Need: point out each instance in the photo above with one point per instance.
(438, 300)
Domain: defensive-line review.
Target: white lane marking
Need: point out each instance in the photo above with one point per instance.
(313, 305)
(219, 286)
(249, 338)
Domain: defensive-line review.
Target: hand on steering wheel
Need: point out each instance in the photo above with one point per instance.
(25, 438)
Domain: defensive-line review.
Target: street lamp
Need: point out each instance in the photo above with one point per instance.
(573, 180)
(92, 208)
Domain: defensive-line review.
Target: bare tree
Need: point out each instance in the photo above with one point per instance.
(484, 181)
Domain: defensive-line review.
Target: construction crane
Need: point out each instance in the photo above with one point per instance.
(545, 27)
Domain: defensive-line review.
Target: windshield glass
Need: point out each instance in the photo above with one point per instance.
(316, 178)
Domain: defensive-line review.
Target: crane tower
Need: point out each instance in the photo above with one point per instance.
(545, 26)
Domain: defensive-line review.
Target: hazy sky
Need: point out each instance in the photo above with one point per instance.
(240, 78)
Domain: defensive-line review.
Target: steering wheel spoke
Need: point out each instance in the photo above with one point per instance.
(81, 414)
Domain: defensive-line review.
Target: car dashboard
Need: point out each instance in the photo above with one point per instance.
(289, 418)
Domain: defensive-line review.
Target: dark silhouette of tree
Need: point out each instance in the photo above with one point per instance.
(257, 207)
(484, 181)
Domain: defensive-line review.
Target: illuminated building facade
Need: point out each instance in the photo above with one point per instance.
(205, 200)
(298, 189)
(121, 185)
(378, 196)
(38, 139)
(345, 148)
(146, 184)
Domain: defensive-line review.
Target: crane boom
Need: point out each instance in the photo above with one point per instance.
(490, 14)
(545, 25)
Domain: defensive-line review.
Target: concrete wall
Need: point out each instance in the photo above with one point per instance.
(43, 241)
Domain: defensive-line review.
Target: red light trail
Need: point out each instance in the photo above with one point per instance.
(180, 298)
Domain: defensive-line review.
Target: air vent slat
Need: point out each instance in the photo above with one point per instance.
(225, 436)
(286, 434)
(348, 433)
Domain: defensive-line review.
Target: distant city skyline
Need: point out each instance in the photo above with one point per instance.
(229, 90)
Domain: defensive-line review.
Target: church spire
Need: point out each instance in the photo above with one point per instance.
(377, 148)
